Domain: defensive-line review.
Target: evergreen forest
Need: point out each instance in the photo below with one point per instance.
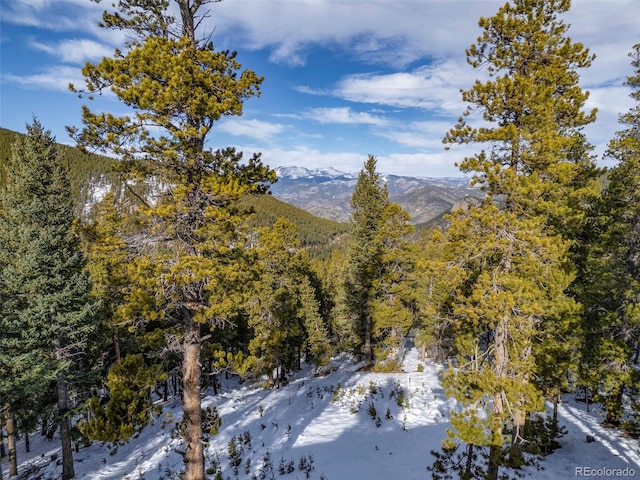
(142, 267)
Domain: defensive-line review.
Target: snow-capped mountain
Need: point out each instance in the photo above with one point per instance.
(302, 172)
(326, 192)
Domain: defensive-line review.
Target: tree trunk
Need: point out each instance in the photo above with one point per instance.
(467, 471)
(493, 466)
(368, 354)
(586, 397)
(65, 428)
(11, 439)
(516, 458)
(116, 343)
(51, 430)
(614, 408)
(501, 360)
(194, 457)
(556, 401)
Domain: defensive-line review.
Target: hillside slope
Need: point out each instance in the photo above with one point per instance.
(347, 425)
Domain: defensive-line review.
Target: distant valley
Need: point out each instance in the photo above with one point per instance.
(327, 192)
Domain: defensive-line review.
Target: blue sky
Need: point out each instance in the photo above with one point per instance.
(343, 78)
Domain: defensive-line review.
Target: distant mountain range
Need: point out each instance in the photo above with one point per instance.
(327, 192)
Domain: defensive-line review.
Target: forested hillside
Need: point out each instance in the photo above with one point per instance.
(130, 314)
(86, 171)
(91, 176)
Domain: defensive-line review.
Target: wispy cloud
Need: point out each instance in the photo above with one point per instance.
(344, 116)
(55, 78)
(433, 87)
(74, 50)
(395, 33)
(423, 135)
(251, 128)
(55, 15)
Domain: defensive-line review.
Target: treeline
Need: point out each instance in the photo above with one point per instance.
(527, 295)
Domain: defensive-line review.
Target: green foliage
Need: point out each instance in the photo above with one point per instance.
(129, 407)
(543, 434)
(85, 170)
(539, 158)
(284, 310)
(611, 278)
(190, 263)
(46, 310)
(438, 275)
(317, 235)
(510, 308)
(377, 285)
(456, 463)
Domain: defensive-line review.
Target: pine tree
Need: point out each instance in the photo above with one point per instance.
(284, 310)
(532, 105)
(612, 321)
(537, 175)
(190, 261)
(46, 304)
(393, 305)
(377, 279)
(107, 263)
(514, 278)
(130, 383)
(369, 201)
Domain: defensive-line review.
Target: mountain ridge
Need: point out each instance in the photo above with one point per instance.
(327, 192)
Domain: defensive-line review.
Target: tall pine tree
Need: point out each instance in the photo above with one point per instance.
(536, 173)
(46, 304)
(174, 80)
(369, 201)
(379, 261)
(612, 283)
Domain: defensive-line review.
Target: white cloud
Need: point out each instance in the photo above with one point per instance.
(423, 135)
(393, 32)
(55, 15)
(609, 29)
(345, 116)
(55, 78)
(251, 128)
(75, 50)
(424, 164)
(309, 90)
(432, 87)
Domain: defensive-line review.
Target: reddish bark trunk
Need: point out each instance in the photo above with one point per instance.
(194, 457)
(11, 440)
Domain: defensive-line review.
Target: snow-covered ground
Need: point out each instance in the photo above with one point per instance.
(333, 431)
